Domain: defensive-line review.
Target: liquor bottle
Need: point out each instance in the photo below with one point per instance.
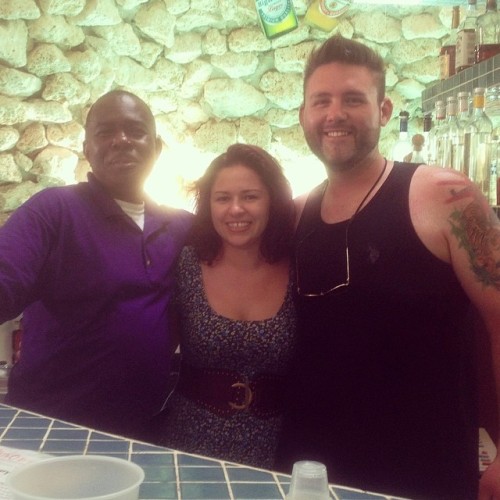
(464, 108)
(442, 150)
(466, 38)
(447, 53)
(452, 148)
(440, 113)
(276, 17)
(494, 178)
(488, 33)
(480, 158)
(403, 145)
(417, 155)
(466, 129)
(426, 150)
(324, 14)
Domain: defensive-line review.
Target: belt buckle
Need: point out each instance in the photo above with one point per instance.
(248, 396)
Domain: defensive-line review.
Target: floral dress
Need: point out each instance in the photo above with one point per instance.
(210, 341)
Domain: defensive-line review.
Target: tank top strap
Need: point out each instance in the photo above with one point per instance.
(398, 181)
(395, 192)
(310, 216)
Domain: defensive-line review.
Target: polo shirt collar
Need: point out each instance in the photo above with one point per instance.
(110, 208)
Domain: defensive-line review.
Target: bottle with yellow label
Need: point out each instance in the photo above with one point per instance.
(324, 14)
(276, 17)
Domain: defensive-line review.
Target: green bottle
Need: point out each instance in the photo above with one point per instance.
(276, 17)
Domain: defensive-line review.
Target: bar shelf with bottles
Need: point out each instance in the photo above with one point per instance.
(485, 74)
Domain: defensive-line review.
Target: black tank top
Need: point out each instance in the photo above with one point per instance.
(383, 387)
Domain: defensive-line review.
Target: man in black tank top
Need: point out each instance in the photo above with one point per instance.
(391, 260)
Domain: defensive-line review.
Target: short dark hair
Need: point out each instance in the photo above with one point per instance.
(119, 93)
(277, 236)
(346, 51)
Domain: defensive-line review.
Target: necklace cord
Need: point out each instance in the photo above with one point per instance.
(360, 206)
(377, 180)
(347, 281)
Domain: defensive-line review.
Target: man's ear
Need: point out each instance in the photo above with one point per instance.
(386, 108)
(85, 150)
(159, 145)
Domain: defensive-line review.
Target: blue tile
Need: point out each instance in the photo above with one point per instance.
(73, 434)
(4, 420)
(242, 474)
(23, 444)
(155, 473)
(283, 477)
(108, 446)
(28, 414)
(256, 491)
(196, 491)
(7, 412)
(201, 474)
(64, 446)
(160, 491)
(100, 436)
(24, 433)
(192, 460)
(31, 422)
(285, 485)
(136, 446)
(58, 424)
(165, 459)
(345, 494)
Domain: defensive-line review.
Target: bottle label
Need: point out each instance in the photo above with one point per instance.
(447, 63)
(466, 42)
(277, 17)
(486, 51)
(273, 11)
(478, 101)
(444, 60)
(333, 8)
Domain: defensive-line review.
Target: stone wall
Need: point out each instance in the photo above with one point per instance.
(204, 66)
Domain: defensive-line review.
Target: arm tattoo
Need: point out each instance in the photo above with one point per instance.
(479, 234)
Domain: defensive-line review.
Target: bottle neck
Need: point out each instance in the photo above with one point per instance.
(451, 110)
(479, 103)
(455, 19)
(463, 106)
(471, 10)
(491, 6)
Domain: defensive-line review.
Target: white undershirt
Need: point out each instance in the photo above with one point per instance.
(134, 210)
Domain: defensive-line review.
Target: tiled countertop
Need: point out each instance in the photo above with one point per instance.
(169, 474)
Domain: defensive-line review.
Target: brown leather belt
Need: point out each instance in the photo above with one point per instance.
(228, 392)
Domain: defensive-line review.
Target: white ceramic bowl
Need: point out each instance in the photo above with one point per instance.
(78, 477)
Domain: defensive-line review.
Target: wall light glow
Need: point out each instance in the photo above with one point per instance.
(179, 165)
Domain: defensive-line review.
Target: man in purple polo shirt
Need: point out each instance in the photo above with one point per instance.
(90, 266)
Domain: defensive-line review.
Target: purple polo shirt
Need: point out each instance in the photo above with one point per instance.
(94, 290)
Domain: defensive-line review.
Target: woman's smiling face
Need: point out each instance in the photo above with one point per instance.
(239, 205)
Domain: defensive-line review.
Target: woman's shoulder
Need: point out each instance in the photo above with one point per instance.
(188, 262)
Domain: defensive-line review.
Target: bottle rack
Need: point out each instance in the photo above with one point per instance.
(485, 74)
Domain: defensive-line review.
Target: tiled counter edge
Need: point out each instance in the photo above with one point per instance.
(169, 474)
